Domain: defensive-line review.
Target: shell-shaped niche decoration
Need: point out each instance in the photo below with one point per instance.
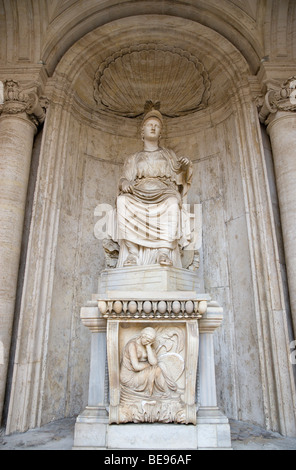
(126, 80)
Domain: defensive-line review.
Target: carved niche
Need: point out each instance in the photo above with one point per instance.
(156, 72)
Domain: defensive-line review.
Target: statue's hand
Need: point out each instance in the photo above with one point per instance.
(127, 187)
(184, 161)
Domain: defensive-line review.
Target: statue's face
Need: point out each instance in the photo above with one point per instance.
(152, 129)
(147, 338)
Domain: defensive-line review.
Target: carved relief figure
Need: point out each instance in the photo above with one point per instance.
(152, 376)
(151, 223)
(140, 371)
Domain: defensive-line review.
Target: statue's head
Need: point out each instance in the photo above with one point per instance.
(148, 335)
(152, 125)
(154, 113)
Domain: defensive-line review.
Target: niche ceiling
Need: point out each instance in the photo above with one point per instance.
(171, 77)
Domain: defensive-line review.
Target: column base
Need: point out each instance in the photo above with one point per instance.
(91, 429)
(213, 429)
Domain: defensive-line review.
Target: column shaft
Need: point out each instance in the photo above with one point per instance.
(97, 400)
(282, 132)
(207, 378)
(97, 378)
(16, 137)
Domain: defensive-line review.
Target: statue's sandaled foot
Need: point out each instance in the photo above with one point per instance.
(164, 260)
(131, 260)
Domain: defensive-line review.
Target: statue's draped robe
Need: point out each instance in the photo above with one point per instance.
(153, 216)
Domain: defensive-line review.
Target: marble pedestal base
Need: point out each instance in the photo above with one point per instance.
(128, 300)
(212, 432)
(153, 277)
(135, 436)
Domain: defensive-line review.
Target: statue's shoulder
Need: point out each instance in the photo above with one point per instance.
(133, 156)
(130, 160)
(169, 152)
(167, 149)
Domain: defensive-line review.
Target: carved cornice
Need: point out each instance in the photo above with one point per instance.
(212, 318)
(152, 308)
(92, 318)
(279, 98)
(17, 100)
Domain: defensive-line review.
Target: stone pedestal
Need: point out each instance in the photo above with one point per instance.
(154, 278)
(162, 300)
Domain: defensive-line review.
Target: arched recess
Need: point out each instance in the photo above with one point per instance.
(227, 18)
(82, 153)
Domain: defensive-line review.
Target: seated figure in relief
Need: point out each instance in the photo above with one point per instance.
(151, 223)
(140, 371)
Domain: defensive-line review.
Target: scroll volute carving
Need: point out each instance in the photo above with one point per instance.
(279, 98)
(17, 99)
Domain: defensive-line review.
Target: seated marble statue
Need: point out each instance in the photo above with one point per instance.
(152, 223)
(140, 372)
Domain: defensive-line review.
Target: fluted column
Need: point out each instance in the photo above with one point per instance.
(19, 116)
(279, 114)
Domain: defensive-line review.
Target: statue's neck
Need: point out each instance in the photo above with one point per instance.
(150, 146)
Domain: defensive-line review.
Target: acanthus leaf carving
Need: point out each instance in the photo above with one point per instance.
(281, 98)
(18, 100)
